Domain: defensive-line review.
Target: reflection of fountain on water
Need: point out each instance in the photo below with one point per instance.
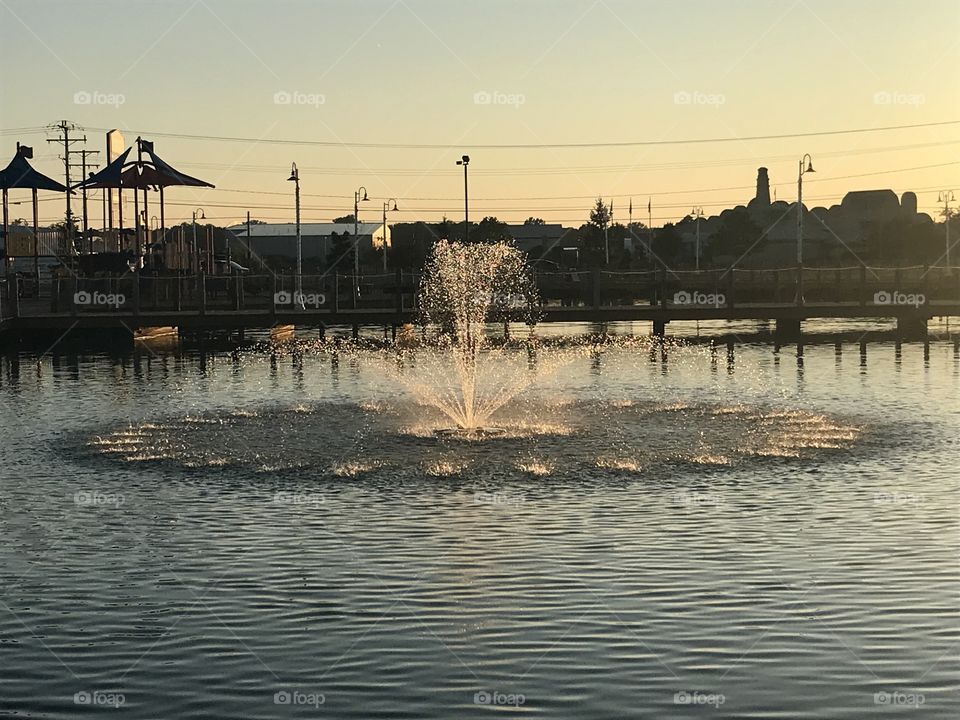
(464, 288)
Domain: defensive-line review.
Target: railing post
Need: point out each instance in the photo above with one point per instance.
(273, 295)
(595, 286)
(663, 287)
(731, 301)
(179, 292)
(863, 284)
(136, 294)
(13, 291)
(399, 290)
(237, 283)
(74, 285)
(203, 292)
(336, 292)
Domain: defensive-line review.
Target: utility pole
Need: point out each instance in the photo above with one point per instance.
(83, 171)
(946, 197)
(64, 128)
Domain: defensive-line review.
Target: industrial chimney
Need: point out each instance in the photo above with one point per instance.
(763, 188)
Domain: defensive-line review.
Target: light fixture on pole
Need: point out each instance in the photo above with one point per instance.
(295, 179)
(697, 212)
(465, 161)
(806, 166)
(946, 197)
(358, 196)
(387, 208)
(198, 213)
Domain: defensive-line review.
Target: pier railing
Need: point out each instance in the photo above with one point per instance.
(397, 291)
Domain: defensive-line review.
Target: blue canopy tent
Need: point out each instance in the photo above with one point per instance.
(21, 174)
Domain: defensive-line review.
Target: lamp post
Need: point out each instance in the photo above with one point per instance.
(804, 169)
(196, 213)
(359, 195)
(465, 161)
(295, 179)
(386, 208)
(697, 212)
(947, 197)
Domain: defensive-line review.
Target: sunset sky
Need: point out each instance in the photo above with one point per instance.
(466, 74)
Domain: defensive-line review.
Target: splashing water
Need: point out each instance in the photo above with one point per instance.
(464, 288)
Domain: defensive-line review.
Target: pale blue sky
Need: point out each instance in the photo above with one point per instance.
(565, 71)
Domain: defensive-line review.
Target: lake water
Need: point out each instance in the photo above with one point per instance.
(652, 533)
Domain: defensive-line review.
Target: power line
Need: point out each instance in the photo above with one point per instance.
(533, 146)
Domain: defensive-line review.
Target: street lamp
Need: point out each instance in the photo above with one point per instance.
(295, 179)
(196, 249)
(947, 197)
(697, 212)
(356, 240)
(386, 208)
(804, 169)
(465, 161)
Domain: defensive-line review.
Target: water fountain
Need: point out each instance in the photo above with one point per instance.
(466, 287)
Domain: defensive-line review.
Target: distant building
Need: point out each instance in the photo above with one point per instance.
(280, 239)
(839, 234)
(530, 237)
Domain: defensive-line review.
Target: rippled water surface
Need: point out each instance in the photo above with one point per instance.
(283, 534)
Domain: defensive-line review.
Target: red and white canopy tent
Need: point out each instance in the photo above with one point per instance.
(21, 174)
(140, 174)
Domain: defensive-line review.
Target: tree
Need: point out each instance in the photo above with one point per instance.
(737, 234)
(345, 219)
(534, 221)
(667, 244)
(600, 215)
(490, 230)
(340, 256)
